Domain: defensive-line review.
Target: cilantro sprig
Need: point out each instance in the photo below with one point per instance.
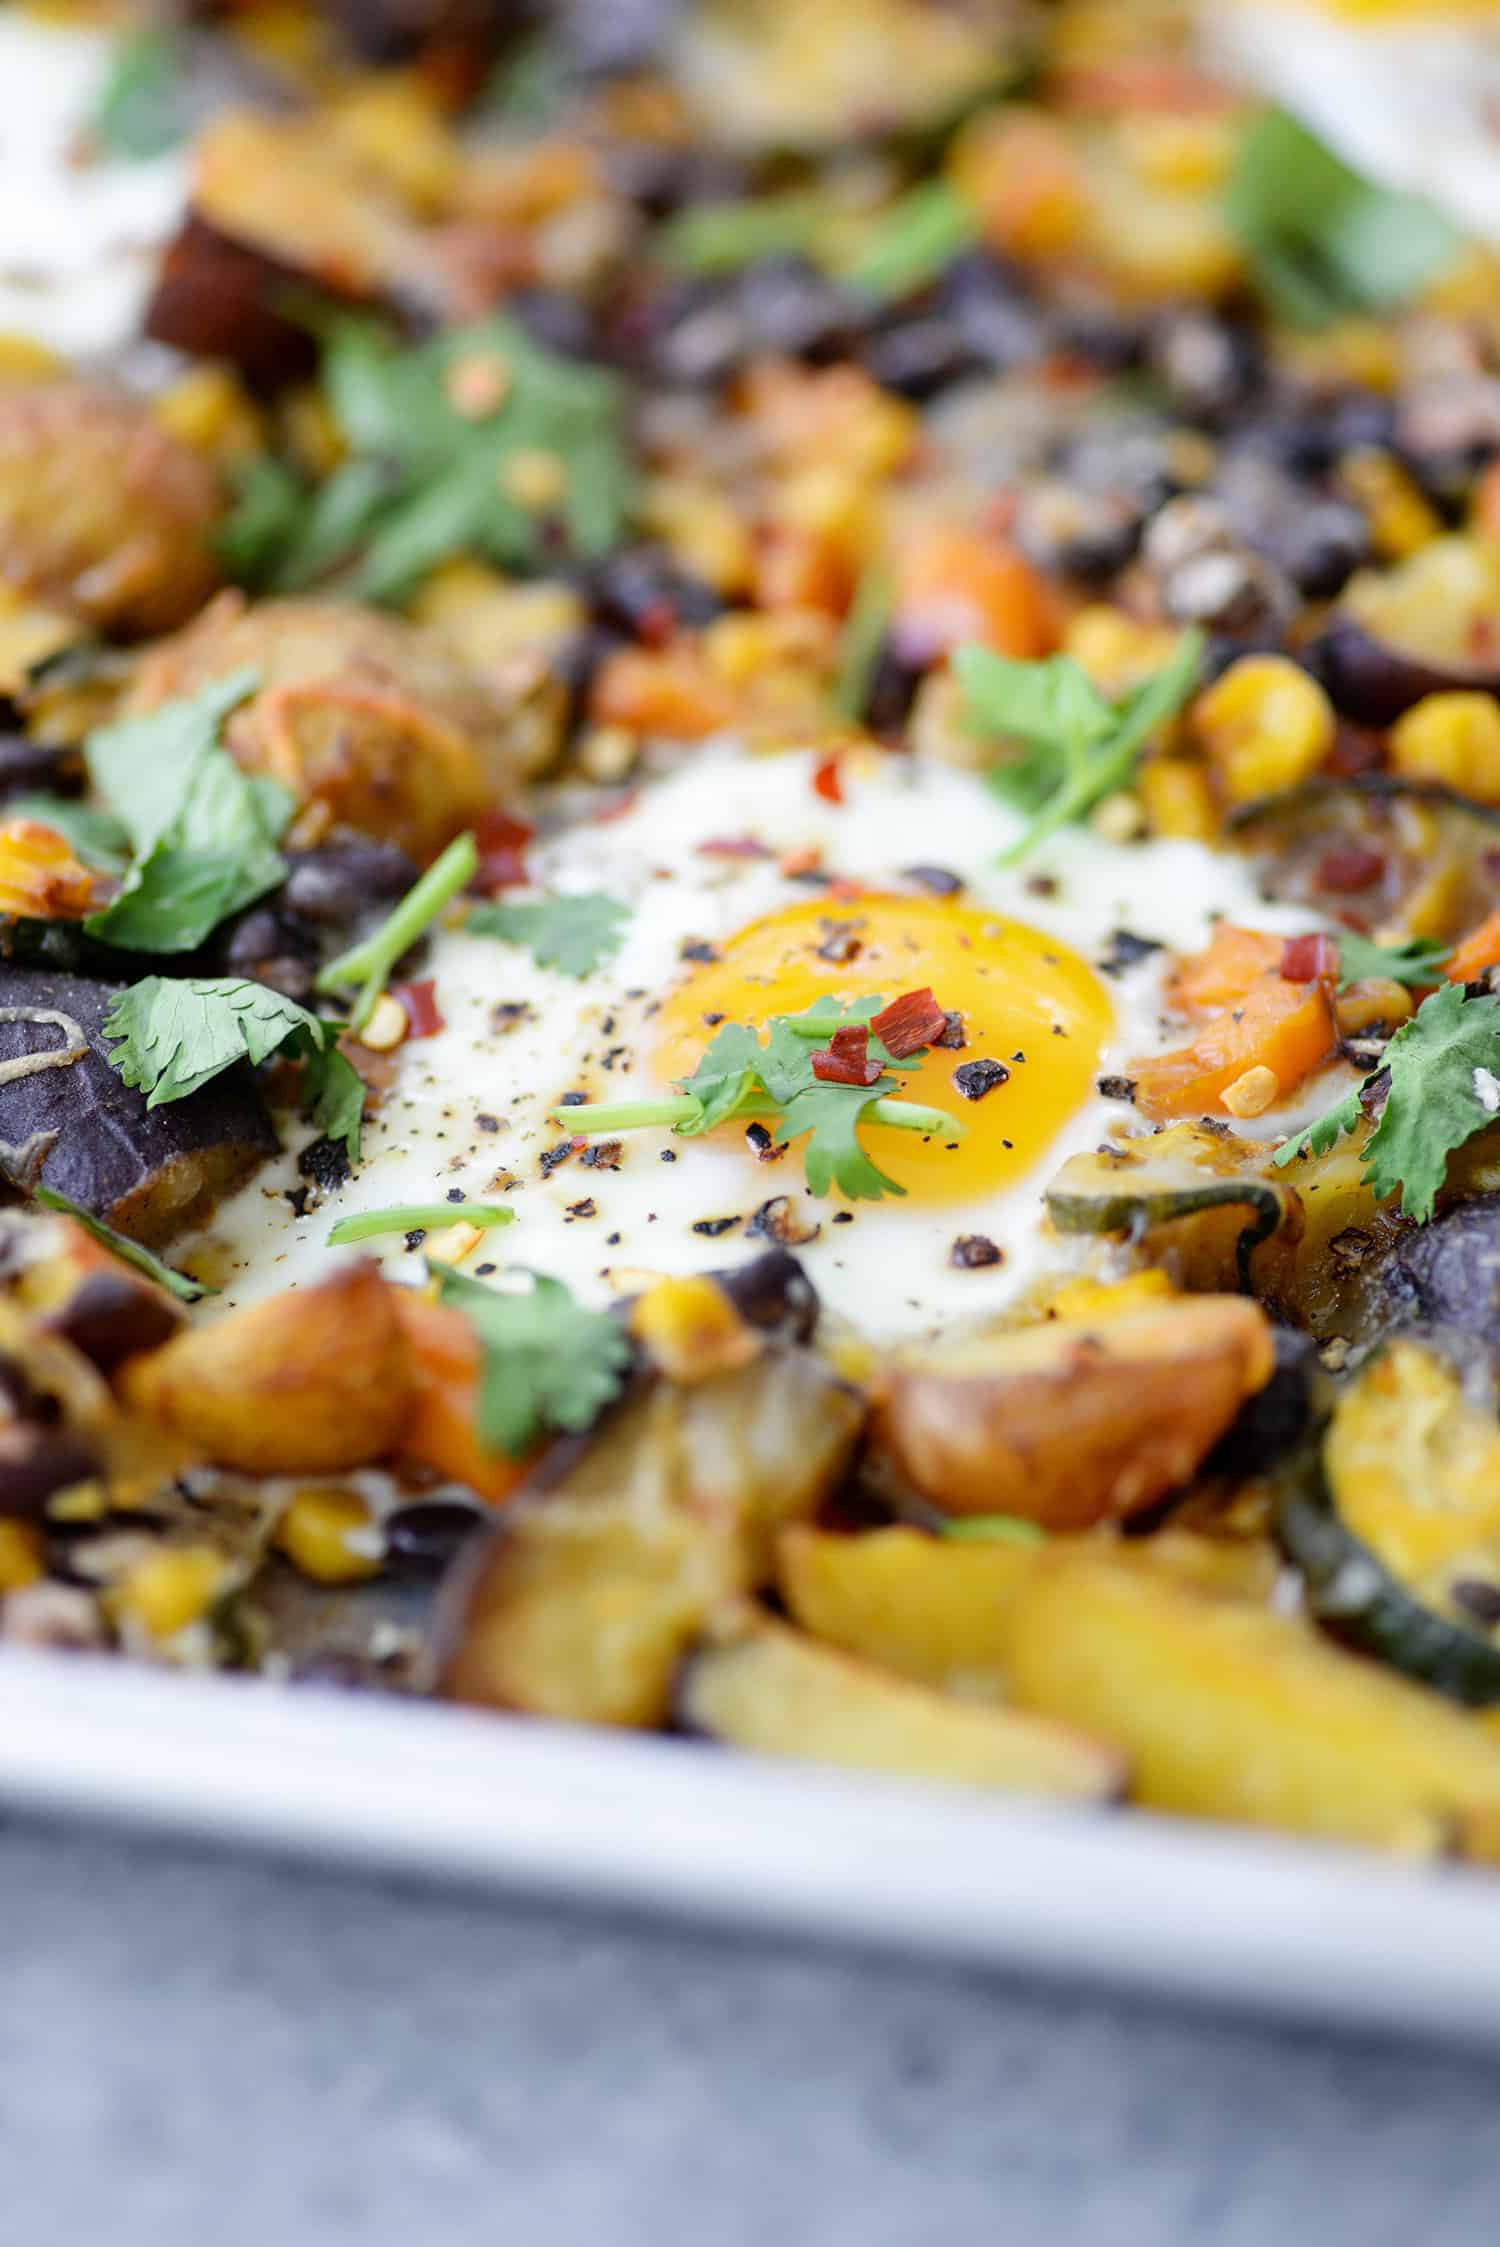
(366, 967)
(1414, 961)
(1078, 746)
(172, 1036)
(1443, 1067)
(573, 934)
(1323, 242)
(548, 1364)
(919, 234)
(775, 1083)
(202, 834)
(432, 431)
(143, 107)
(417, 1217)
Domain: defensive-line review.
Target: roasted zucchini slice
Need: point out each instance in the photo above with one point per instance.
(758, 1684)
(1395, 1523)
(1195, 1191)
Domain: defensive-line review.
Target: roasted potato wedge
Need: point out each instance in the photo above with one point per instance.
(760, 1685)
(1225, 1709)
(309, 1382)
(592, 1589)
(1067, 1424)
(906, 1601)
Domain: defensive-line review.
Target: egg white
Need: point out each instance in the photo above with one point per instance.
(469, 1112)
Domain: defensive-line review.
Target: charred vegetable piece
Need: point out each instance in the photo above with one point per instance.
(101, 511)
(597, 1581)
(309, 1382)
(1070, 1423)
(1225, 1709)
(1399, 635)
(216, 298)
(1191, 1190)
(1397, 1525)
(1447, 1272)
(74, 1126)
(760, 1685)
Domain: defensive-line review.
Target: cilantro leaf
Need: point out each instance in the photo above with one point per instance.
(726, 1077)
(202, 833)
(833, 1156)
(573, 934)
(171, 1036)
(143, 110)
(1322, 241)
(1417, 960)
(1079, 746)
(431, 430)
(1444, 1069)
(548, 1364)
(181, 1284)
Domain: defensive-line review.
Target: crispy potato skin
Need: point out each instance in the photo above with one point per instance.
(1229, 1710)
(602, 1574)
(312, 1381)
(101, 511)
(1067, 1425)
(362, 713)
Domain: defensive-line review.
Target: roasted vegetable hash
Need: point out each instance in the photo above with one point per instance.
(751, 896)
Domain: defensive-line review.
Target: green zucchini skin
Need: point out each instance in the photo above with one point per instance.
(1355, 1596)
(1135, 1210)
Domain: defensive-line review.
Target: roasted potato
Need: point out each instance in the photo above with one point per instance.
(361, 713)
(592, 1589)
(308, 1382)
(102, 513)
(758, 1684)
(906, 1601)
(1225, 1709)
(1067, 1424)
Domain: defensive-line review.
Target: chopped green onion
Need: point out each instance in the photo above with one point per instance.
(636, 1115)
(859, 649)
(994, 1529)
(417, 1217)
(180, 1284)
(724, 237)
(369, 964)
(920, 234)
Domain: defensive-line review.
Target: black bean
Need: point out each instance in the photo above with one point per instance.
(1480, 1600)
(112, 1317)
(787, 305)
(422, 1538)
(35, 1462)
(645, 592)
(992, 314)
(917, 357)
(938, 881)
(334, 885)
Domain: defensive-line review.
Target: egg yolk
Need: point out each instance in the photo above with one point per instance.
(1025, 1000)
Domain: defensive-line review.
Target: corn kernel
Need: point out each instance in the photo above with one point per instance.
(1266, 725)
(1439, 906)
(1119, 817)
(387, 1026)
(1252, 1093)
(1401, 520)
(329, 1536)
(1185, 152)
(692, 1329)
(1376, 1001)
(20, 1555)
(606, 754)
(23, 359)
(453, 1243)
(389, 122)
(209, 409)
(1118, 652)
(1351, 351)
(1178, 799)
(171, 1588)
(1452, 738)
(1110, 1299)
(534, 478)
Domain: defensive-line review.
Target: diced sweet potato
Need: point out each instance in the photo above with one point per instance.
(1068, 1425)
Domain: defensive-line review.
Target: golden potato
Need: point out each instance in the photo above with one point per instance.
(363, 713)
(923, 1606)
(102, 512)
(759, 1684)
(312, 1381)
(1225, 1709)
(1066, 1424)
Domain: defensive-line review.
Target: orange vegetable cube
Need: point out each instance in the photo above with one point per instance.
(1287, 1028)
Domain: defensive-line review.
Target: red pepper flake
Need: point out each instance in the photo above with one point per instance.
(1309, 959)
(733, 846)
(624, 803)
(826, 781)
(909, 1023)
(502, 845)
(423, 1017)
(1350, 866)
(842, 891)
(1355, 750)
(846, 1059)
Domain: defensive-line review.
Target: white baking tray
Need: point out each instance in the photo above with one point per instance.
(680, 1828)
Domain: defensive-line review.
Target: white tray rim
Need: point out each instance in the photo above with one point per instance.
(1165, 1908)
